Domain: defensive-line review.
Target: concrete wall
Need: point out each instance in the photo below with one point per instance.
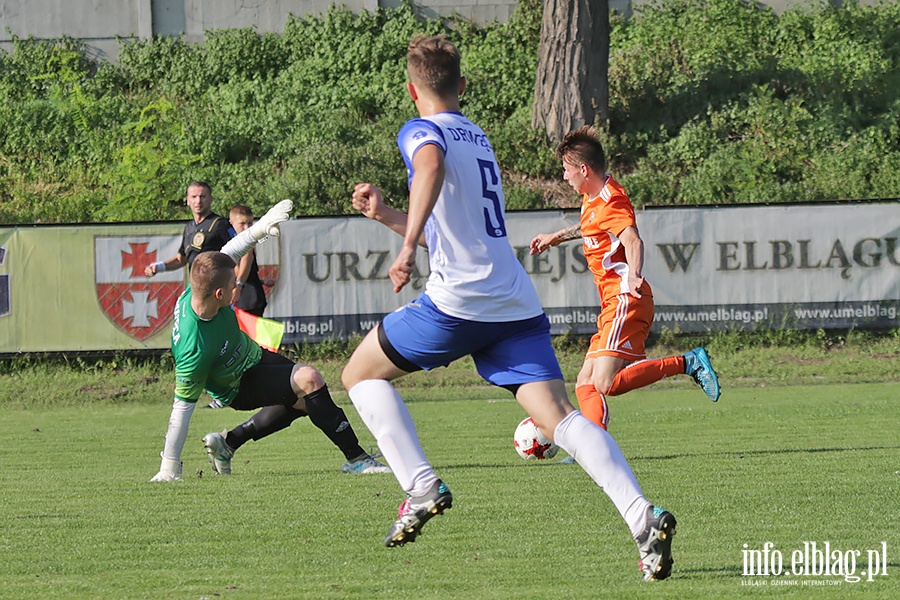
(193, 17)
(98, 22)
(479, 11)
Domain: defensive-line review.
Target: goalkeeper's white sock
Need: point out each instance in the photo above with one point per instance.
(384, 413)
(176, 434)
(599, 454)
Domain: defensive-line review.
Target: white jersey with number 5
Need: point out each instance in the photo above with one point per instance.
(475, 274)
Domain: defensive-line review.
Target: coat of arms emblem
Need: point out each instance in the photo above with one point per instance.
(136, 304)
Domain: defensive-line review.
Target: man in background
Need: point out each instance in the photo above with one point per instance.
(206, 231)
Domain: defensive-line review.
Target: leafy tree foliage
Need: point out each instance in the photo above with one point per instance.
(711, 101)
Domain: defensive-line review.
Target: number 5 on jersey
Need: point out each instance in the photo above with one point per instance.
(490, 181)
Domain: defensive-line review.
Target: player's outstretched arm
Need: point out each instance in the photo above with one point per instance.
(545, 241)
(369, 200)
(267, 225)
(427, 181)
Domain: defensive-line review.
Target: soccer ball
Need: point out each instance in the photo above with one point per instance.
(530, 443)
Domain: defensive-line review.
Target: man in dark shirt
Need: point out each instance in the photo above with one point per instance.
(206, 231)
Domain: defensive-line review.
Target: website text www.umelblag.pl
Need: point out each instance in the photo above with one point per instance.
(869, 310)
(721, 313)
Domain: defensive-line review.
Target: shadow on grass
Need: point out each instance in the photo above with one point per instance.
(707, 573)
(742, 454)
(555, 462)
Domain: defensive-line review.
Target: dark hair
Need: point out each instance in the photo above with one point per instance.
(200, 183)
(583, 147)
(433, 63)
(209, 272)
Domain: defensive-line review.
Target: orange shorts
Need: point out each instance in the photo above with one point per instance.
(623, 327)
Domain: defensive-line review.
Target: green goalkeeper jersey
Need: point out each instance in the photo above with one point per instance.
(209, 355)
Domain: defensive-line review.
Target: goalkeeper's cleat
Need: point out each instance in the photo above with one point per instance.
(365, 465)
(698, 366)
(415, 512)
(655, 544)
(220, 453)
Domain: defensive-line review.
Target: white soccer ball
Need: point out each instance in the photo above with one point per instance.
(530, 443)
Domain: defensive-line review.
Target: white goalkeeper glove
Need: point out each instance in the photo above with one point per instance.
(169, 470)
(268, 223)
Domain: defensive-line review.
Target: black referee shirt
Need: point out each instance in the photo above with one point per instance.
(212, 233)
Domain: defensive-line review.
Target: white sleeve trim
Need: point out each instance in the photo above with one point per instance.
(239, 245)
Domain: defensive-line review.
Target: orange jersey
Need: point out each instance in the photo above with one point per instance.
(603, 219)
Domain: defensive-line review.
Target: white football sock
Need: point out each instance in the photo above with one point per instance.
(384, 413)
(176, 434)
(598, 454)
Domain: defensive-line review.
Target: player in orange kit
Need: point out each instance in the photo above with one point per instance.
(616, 361)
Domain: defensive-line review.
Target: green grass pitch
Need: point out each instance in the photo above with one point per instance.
(785, 465)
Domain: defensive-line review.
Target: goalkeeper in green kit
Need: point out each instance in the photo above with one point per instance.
(213, 354)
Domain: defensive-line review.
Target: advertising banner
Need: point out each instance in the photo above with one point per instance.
(786, 266)
(82, 287)
(836, 265)
(803, 266)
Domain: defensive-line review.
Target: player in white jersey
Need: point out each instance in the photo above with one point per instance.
(475, 274)
(478, 301)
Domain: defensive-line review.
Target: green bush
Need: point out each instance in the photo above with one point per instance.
(162, 65)
(499, 63)
(720, 101)
(711, 101)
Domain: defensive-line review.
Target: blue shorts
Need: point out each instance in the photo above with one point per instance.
(419, 336)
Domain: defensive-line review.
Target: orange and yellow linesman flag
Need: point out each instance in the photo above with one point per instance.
(265, 332)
